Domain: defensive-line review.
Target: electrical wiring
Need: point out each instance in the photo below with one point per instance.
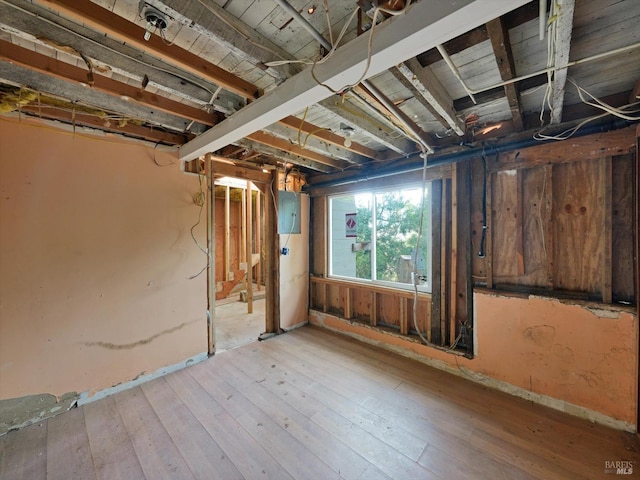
(130, 57)
(155, 160)
(199, 199)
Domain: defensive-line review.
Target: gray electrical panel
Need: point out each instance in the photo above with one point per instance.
(288, 212)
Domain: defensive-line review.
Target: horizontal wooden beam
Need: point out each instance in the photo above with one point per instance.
(50, 66)
(399, 38)
(227, 170)
(127, 129)
(101, 19)
(279, 143)
(328, 136)
(284, 156)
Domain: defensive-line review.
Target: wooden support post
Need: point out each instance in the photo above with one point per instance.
(607, 233)
(259, 226)
(463, 300)
(436, 262)
(325, 304)
(249, 248)
(211, 249)
(272, 260)
(454, 256)
(447, 248)
(227, 233)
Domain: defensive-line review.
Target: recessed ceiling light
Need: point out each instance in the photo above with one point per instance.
(311, 9)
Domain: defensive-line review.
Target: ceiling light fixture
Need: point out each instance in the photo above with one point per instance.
(347, 132)
(155, 21)
(311, 9)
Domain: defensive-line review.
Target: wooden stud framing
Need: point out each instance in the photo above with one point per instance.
(436, 261)
(249, 247)
(374, 309)
(227, 233)
(211, 249)
(446, 322)
(404, 316)
(348, 304)
(453, 305)
(564, 28)
(272, 261)
(259, 226)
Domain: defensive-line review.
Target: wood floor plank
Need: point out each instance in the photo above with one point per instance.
(156, 452)
(246, 453)
(275, 438)
(336, 455)
(313, 404)
(204, 457)
(68, 451)
(25, 453)
(111, 448)
(309, 396)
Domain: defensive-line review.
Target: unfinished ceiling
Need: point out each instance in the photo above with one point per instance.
(218, 75)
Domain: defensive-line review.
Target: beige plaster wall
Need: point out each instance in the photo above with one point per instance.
(575, 358)
(294, 272)
(95, 253)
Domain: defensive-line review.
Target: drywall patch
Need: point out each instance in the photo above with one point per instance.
(21, 412)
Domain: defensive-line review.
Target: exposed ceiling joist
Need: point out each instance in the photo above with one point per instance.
(50, 66)
(397, 39)
(74, 92)
(44, 27)
(315, 144)
(365, 124)
(116, 26)
(563, 29)
(501, 44)
(113, 126)
(429, 88)
(275, 142)
(213, 21)
(328, 136)
(283, 156)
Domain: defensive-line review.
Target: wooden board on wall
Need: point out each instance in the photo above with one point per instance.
(479, 264)
(534, 214)
(578, 218)
(622, 228)
(317, 241)
(361, 304)
(504, 225)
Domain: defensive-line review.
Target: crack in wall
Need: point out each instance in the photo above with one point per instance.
(145, 341)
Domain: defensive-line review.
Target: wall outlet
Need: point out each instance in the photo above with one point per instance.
(284, 251)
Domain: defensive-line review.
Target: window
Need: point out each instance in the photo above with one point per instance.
(373, 237)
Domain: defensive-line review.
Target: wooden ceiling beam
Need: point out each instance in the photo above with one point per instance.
(430, 92)
(228, 170)
(281, 144)
(50, 66)
(501, 44)
(360, 121)
(328, 136)
(399, 38)
(101, 19)
(563, 29)
(283, 156)
(128, 129)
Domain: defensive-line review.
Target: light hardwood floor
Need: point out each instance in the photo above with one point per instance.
(313, 405)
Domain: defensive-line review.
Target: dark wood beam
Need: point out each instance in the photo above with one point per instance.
(50, 66)
(228, 170)
(113, 25)
(501, 44)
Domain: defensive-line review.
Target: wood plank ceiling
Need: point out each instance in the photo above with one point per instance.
(88, 63)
